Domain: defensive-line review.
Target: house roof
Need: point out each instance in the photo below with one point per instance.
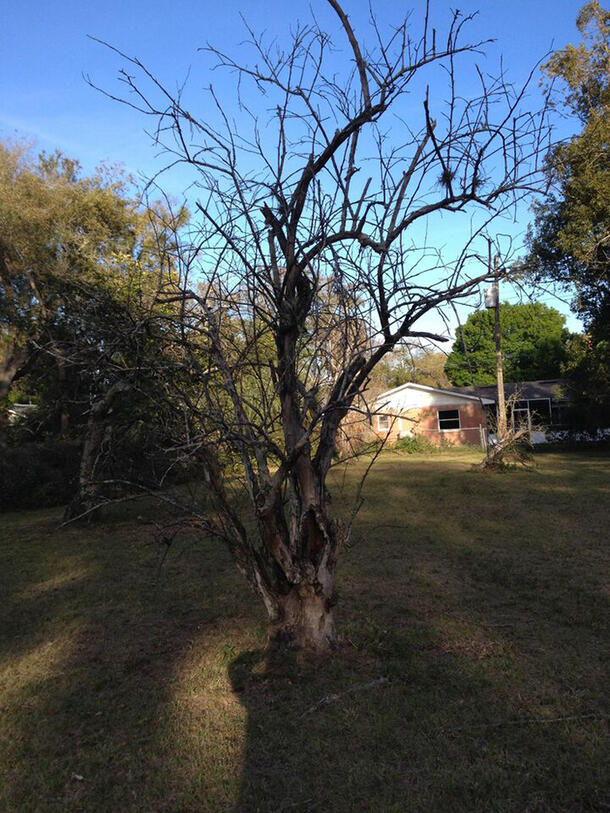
(555, 389)
(454, 391)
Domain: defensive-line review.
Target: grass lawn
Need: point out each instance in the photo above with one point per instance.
(480, 601)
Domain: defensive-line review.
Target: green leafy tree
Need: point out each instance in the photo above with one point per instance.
(87, 321)
(80, 267)
(418, 365)
(570, 238)
(586, 368)
(58, 233)
(534, 340)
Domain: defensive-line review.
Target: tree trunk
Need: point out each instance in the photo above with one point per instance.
(11, 362)
(86, 497)
(62, 377)
(300, 586)
(304, 620)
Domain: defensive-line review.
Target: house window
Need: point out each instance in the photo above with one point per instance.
(448, 419)
(383, 422)
(520, 414)
(535, 411)
(540, 411)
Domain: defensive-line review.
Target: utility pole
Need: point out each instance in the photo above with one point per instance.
(492, 300)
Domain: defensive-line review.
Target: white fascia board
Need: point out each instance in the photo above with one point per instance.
(425, 388)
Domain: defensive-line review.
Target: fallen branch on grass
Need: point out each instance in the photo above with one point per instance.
(330, 698)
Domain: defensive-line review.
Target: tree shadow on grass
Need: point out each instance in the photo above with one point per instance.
(488, 630)
(404, 724)
(124, 694)
(91, 679)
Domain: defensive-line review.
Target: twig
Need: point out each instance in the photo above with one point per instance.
(529, 720)
(102, 504)
(295, 804)
(330, 698)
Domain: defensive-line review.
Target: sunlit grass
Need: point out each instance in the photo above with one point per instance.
(473, 606)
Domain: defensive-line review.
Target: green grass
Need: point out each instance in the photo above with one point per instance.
(480, 599)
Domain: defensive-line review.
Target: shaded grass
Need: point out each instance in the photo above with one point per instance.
(481, 599)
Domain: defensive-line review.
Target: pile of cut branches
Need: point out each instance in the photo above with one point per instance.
(512, 450)
(512, 446)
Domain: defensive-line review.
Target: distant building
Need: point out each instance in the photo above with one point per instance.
(466, 415)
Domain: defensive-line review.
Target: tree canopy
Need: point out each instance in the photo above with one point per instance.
(570, 239)
(81, 264)
(83, 331)
(534, 340)
(417, 364)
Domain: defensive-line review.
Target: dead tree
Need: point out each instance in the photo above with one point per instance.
(317, 250)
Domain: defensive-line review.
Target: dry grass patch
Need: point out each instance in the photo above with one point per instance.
(472, 676)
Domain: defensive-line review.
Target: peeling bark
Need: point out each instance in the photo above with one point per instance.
(300, 582)
(304, 620)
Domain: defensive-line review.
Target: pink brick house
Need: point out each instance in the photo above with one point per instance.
(442, 416)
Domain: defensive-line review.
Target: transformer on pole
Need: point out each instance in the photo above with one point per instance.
(492, 301)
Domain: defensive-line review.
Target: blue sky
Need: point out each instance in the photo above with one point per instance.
(44, 52)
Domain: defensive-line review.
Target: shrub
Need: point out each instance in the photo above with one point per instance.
(38, 475)
(415, 445)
